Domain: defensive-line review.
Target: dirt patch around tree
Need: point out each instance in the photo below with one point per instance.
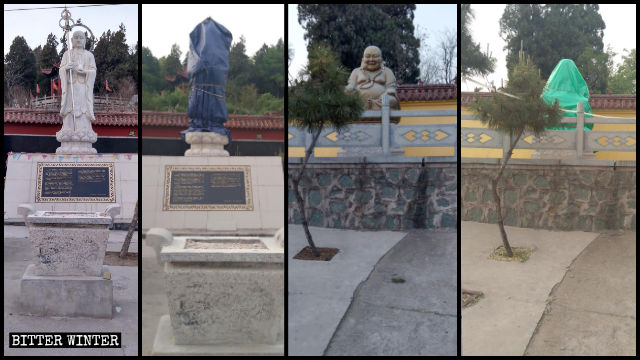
(470, 297)
(326, 254)
(519, 254)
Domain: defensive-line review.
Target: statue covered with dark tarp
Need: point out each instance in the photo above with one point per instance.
(207, 69)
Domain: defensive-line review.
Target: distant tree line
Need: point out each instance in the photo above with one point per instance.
(255, 84)
(551, 32)
(117, 64)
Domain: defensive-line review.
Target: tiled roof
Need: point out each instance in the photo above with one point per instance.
(33, 116)
(608, 101)
(422, 92)
(257, 122)
(597, 101)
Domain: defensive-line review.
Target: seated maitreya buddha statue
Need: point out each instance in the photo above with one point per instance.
(372, 79)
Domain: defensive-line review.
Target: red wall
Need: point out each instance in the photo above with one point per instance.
(150, 131)
(46, 129)
(237, 134)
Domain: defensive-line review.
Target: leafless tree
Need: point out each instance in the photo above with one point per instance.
(13, 78)
(430, 71)
(448, 49)
(127, 239)
(438, 65)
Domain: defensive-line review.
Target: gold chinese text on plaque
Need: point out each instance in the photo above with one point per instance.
(77, 182)
(210, 187)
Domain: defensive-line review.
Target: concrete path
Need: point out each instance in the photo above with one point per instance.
(17, 255)
(515, 294)
(593, 309)
(319, 292)
(414, 317)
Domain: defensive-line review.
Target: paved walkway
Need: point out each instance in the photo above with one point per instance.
(414, 317)
(593, 309)
(515, 294)
(17, 255)
(319, 292)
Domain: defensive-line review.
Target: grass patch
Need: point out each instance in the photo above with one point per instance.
(519, 254)
(398, 280)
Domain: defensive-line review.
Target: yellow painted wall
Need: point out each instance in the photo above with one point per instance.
(407, 105)
(470, 152)
(429, 105)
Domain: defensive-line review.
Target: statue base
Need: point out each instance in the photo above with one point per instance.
(206, 144)
(76, 142)
(68, 296)
(74, 147)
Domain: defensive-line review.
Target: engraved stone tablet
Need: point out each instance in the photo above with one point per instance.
(77, 182)
(207, 188)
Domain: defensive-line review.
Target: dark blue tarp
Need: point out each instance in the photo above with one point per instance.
(207, 69)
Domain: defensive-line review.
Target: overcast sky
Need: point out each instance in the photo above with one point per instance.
(165, 25)
(620, 33)
(434, 19)
(35, 25)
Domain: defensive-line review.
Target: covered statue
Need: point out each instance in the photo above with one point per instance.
(207, 69)
(77, 75)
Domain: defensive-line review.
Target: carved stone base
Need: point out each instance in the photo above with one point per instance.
(164, 345)
(206, 144)
(69, 296)
(76, 142)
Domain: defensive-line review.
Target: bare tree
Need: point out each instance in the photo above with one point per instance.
(127, 239)
(429, 64)
(19, 97)
(448, 50)
(438, 65)
(13, 77)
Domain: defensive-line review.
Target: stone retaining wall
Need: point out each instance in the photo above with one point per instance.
(377, 196)
(563, 197)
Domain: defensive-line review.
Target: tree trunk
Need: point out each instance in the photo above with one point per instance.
(300, 199)
(132, 228)
(496, 198)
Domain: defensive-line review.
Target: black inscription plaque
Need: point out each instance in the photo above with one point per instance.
(77, 182)
(207, 188)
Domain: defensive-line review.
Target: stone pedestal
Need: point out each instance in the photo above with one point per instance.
(206, 144)
(72, 296)
(224, 273)
(76, 142)
(164, 345)
(67, 276)
(226, 295)
(73, 248)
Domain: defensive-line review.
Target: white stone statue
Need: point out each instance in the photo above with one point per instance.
(77, 74)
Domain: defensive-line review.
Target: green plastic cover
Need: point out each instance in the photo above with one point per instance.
(568, 86)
